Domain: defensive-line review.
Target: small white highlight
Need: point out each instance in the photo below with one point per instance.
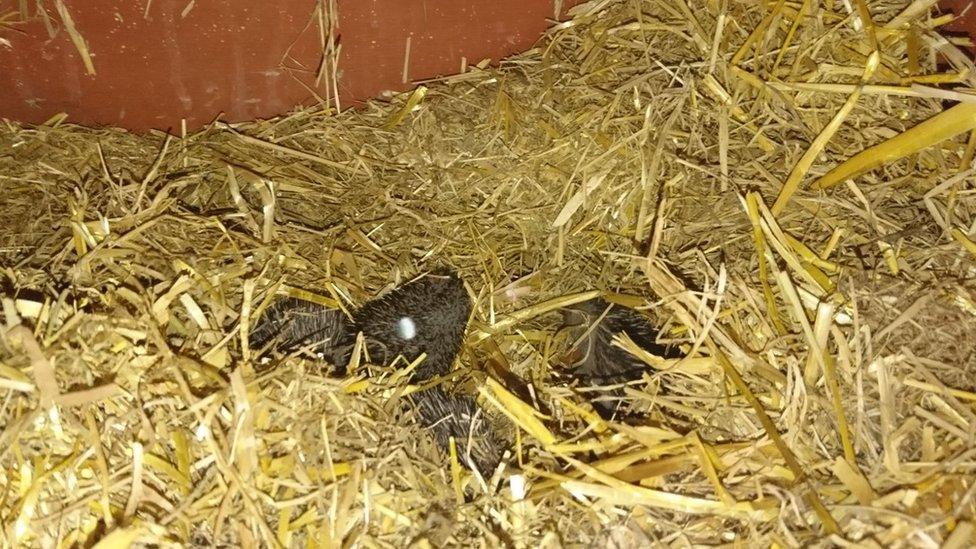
(517, 483)
(202, 431)
(406, 328)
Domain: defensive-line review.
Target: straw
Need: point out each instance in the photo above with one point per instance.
(776, 185)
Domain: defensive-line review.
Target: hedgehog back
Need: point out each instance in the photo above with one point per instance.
(428, 315)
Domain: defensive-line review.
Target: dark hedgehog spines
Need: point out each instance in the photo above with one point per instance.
(426, 315)
(294, 324)
(604, 363)
(447, 415)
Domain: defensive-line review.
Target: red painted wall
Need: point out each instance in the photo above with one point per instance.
(247, 59)
(966, 12)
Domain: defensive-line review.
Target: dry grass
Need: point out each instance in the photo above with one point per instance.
(665, 151)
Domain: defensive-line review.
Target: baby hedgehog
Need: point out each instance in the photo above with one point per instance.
(458, 416)
(427, 315)
(290, 325)
(603, 363)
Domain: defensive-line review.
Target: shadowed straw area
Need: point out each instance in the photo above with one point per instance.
(759, 177)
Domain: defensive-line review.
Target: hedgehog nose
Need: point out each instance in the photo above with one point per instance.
(406, 328)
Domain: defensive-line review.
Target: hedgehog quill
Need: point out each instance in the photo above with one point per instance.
(427, 315)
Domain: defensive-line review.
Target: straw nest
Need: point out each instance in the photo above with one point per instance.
(773, 183)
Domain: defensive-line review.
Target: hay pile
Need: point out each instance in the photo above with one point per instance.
(690, 158)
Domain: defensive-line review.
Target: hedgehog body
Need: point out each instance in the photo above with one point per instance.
(291, 325)
(427, 315)
(603, 363)
(448, 415)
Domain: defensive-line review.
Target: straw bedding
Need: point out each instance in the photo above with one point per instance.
(757, 177)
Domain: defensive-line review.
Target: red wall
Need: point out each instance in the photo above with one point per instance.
(966, 22)
(246, 59)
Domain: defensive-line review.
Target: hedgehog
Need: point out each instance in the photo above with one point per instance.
(603, 363)
(448, 415)
(292, 325)
(427, 315)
